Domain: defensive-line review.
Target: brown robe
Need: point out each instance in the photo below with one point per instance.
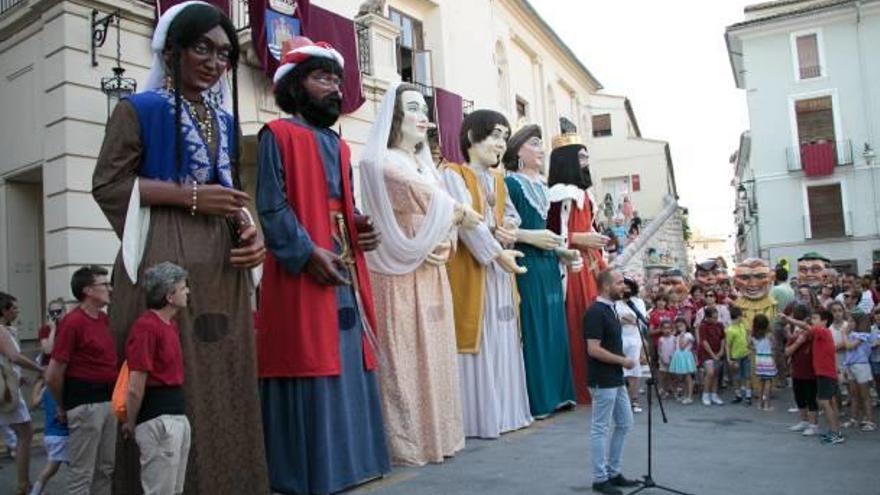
(216, 331)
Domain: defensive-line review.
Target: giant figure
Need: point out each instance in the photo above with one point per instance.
(167, 180)
(403, 193)
(542, 308)
(572, 214)
(491, 370)
(322, 415)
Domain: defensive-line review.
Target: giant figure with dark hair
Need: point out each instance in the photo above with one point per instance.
(572, 215)
(322, 415)
(491, 370)
(542, 309)
(166, 179)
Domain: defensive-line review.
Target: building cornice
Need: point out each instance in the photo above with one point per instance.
(527, 14)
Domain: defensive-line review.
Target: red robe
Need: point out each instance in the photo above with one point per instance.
(299, 334)
(580, 293)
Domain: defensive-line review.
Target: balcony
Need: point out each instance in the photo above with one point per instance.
(819, 154)
(8, 4)
(825, 228)
(810, 72)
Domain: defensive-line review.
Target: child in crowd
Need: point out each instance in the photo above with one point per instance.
(710, 354)
(825, 367)
(667, 345)
(739, 359)
(859, 343)
(803, 378)
(765, 366)
(839, 324)
(55, 437)
(683, 364)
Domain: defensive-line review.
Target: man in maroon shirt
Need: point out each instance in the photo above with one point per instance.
(81, 375)
(155, 403)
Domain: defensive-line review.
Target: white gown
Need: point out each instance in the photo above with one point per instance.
(493, 381)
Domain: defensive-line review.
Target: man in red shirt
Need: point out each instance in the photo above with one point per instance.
(80, 376)
(824, 366)
(156, 417)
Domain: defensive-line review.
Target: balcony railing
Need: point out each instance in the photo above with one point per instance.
(810, 71)
(238, 11)
(365, 55)
(844, 230)
(8, 4)
(842, 154)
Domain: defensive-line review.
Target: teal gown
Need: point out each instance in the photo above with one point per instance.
(542, 310)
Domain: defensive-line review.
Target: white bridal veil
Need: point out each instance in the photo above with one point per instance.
(398, 253)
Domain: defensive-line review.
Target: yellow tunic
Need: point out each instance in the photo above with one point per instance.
(466, 272)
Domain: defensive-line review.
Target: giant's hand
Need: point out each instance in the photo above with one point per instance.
(251, 250)
(589, 240)
(323, 267)
(541, 239)
(466, 216)
(441, 253)
(368, 237)
(214, 199)
(571, 258)
(506, 235)
(507, 260)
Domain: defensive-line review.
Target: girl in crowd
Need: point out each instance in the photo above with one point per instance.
(765, 366)
(666, 349)
(859, 343)
(682, 365)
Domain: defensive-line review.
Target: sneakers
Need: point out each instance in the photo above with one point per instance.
(868, 426)
(717, 400)
(833, 438)
(810, 431)
(607, 488)
(800, 426)
(850, 423)
(706, 400)
(687, 401)
(636, 408)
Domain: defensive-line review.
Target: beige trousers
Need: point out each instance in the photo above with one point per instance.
(92, 449)
(164, 445)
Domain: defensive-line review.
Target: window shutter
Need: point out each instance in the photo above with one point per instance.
(826, 211)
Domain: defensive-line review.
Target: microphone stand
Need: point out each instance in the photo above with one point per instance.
(648, 479)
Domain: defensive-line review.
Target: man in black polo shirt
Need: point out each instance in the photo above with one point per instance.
(605, 379)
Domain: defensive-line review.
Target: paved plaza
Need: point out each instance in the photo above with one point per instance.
(707, 451)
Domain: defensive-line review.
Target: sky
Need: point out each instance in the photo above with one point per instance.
(670, 59)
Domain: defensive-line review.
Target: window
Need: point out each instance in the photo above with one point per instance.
(602, 125)
(522, 110)
(413, 62)
(826, 215)
(815, 120)
(808, 56)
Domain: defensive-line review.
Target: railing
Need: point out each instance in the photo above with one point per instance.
(238, 11)
(811, 71)
(842, 154)
(365, 55)
(8, 4)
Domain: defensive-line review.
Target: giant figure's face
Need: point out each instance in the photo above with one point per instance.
(674, 286)
(489, 151)
(811, 272)
(753, 279)
(414, 124)
(705, 278)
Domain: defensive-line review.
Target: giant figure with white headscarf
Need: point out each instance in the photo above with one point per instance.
(166, 179)
(403, 194)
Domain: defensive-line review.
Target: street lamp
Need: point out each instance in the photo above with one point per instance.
(117, 86)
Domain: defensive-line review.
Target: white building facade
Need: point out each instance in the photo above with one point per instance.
(496, 54)
(805, 173)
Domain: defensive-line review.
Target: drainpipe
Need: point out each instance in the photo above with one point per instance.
(866, 106)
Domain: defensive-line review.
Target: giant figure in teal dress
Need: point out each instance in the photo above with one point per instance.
(542, 306)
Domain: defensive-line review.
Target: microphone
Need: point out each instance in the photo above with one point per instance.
(638, 313)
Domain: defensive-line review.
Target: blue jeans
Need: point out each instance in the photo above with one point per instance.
(609, 404)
